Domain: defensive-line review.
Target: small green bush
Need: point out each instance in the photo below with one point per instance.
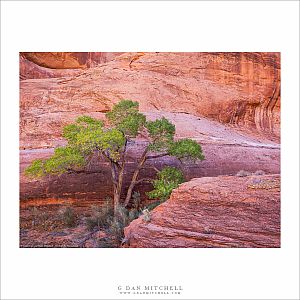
(169, 179)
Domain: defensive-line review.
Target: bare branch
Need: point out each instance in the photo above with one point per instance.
(109, 159)
(143, 179)
(151, 167)
(105, 156)
(71, 171)
(157, 156)
(135, 176)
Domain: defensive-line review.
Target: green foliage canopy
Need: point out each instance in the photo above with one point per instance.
(35, 170)
(186, 148)
(168, 179)
(88, 135)
(161, 133)
(125, 116)
(63, 159)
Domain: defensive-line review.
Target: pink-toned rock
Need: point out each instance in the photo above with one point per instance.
(228, 102)
(30, 70)
(226, 151)
(198, 92)
(222, 211)
(37, 65)
(242, 89)
(69, 60)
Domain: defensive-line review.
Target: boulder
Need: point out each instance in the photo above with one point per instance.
(224, 211)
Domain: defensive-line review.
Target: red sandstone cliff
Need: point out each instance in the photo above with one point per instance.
(34, 65)
(214, 212)
(226, 150)
(69, 60)
(234, 88)
(228, 102)
(197, 91)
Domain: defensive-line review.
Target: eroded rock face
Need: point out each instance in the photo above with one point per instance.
(224, 211)
(242, 89)
(30, 70)
(226, 150)
(36, 65)
(196, 91)
(69, 60)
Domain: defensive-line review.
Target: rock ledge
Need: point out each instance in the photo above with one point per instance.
(224, 211)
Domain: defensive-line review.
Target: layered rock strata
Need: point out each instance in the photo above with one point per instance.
(196, 91)
(224, 211)
(236, 88)
(226, 151)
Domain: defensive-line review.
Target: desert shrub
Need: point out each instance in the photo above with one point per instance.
(35, 214)
(255, 181)
(169, 178)
(101, 217)
(116, 229)
(68, 216)
(113, 221)
(243, 173)
(40, 218)
(136, 200)
(133, 214)
(91, 223)
(122, 219)
(121, 215)
(44, 219)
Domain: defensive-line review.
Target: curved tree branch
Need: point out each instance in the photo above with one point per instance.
(152, 167)
(143, 179)
(157, 156)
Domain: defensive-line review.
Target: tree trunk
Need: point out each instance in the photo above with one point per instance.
(117, 193)
(117, 196)
(121, 171)
(134, 177)
(117, 173)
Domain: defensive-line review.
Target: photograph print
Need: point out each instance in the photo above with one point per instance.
(149, 149)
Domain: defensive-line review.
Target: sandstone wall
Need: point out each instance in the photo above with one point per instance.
(239, 90)
(36, 65)
(242, 89)
(30, 70)
(226, 151)
(69, 60)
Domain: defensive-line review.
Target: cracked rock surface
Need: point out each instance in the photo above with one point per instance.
(224, 211)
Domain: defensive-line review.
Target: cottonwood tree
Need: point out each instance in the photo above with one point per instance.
(89, 137)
